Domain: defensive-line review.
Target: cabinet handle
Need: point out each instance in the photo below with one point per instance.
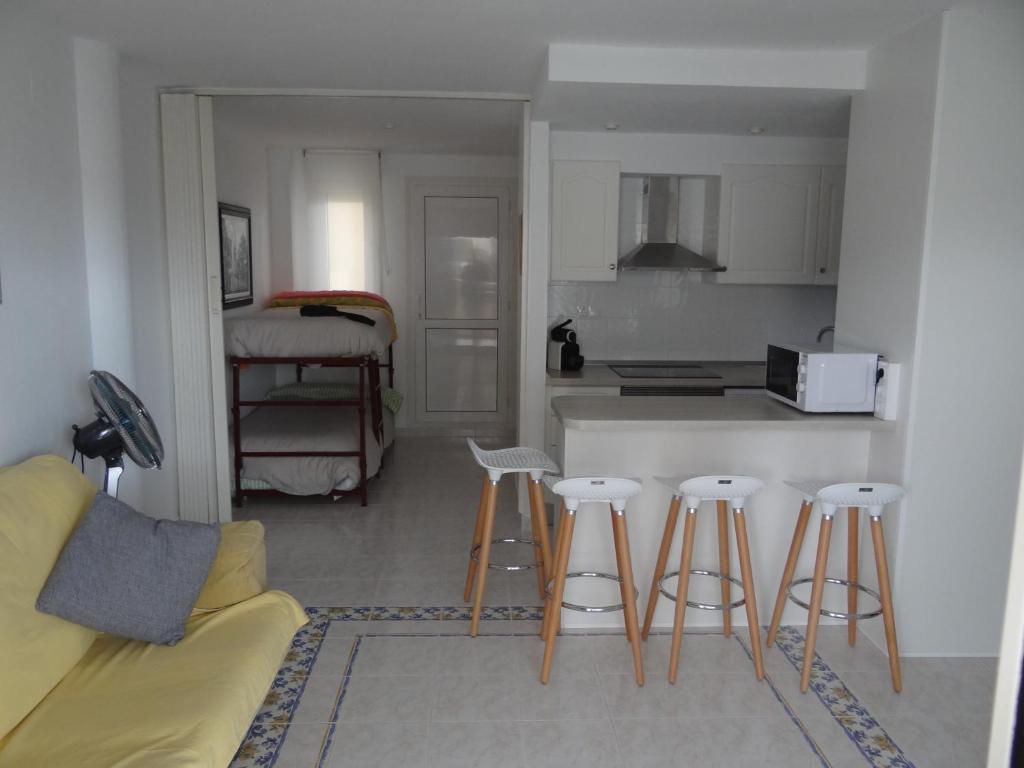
(821, 270)
(611, 267)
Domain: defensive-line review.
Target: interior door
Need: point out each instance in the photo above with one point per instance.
(460, 243)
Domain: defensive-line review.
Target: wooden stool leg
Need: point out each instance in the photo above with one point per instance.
(490, 502)
(683, 584)
(749, 593)
(885, 591)
(540, 525)
(787, 573)
(549, 613)
(814, 614)
(557, 593)
(471, 571)
(723, 565)
(538, 553)
(659, 568)
(852, 564)
(619, 571)
(625, 563)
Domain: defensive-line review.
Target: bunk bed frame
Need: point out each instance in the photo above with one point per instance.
(369, 377)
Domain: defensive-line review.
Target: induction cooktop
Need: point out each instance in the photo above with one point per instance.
(664, 371)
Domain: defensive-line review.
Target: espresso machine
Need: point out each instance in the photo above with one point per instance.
(563, 349)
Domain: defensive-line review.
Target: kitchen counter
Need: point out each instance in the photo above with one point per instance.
(648, 438)
(733, 374)
(669, 413)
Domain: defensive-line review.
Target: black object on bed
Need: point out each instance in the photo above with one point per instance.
(327, 310)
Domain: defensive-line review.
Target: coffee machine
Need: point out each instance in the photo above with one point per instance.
(563, 349)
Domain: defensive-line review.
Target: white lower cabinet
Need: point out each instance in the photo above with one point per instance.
(552, 429)
(780, 224)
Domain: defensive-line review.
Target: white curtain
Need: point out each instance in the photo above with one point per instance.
(337, 221)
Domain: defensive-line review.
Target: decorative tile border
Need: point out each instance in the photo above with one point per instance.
(864, 731)
(267, 733)
(789, 710)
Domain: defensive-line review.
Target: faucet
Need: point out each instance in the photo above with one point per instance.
(827, 329)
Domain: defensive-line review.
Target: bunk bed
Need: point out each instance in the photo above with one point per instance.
(322, 437)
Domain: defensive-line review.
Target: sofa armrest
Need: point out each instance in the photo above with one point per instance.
(239, 570)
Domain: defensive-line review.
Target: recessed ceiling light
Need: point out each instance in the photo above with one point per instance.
(611, 126)
(756, 130)
(390, 125)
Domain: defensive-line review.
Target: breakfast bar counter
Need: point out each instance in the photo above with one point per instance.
(652, 438)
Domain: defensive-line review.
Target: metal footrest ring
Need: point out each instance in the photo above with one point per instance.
(591, 608)
(703, 606)
(474, 554)
(835, 614)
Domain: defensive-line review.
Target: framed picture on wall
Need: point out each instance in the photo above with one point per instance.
(235, 255)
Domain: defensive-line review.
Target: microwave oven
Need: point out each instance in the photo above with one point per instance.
(820, 379)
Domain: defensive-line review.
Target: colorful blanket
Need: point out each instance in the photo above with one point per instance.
(337, 299)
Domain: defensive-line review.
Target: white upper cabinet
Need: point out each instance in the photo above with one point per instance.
(769, 223)
(584, 220)
(830, 224)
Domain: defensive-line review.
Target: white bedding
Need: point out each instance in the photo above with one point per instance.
(287, 428)
(283, 332)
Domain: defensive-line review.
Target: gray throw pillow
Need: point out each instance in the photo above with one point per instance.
(130, 575)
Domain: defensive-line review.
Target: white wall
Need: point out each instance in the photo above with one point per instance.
(106, 258)
(696, 154)
(243, 179)
(887, 180)
(665, 315)
(931, 262)
(45, 345)
(961, 435)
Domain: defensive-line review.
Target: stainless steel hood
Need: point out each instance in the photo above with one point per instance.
(658, 248)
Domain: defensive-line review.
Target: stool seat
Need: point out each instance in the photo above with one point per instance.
(508, 460)
(609, 490)
(732, 488)
(831, 495)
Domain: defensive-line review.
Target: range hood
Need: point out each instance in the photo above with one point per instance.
(658, 248)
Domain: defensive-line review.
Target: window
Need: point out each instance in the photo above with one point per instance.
(346, 246)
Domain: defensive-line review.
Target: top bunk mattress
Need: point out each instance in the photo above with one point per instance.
(283, 332)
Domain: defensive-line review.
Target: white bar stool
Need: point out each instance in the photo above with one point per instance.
(726, 490)
(497, 464)
(576, 491)
(853, 496)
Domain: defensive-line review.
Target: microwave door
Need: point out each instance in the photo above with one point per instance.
(844, 385)
(781, 372)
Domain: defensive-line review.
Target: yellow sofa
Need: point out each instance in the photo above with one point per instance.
(70, 696)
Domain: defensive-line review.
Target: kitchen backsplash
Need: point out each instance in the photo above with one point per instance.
(669, 316)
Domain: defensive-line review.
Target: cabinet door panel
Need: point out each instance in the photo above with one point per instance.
(584, 220)
(769, 223)
(830, 224)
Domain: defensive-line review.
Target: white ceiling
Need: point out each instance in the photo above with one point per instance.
(696, 109)
(477, 45)
(422, 126)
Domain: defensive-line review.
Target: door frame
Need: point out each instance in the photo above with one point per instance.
(193, 259)
(505, 417)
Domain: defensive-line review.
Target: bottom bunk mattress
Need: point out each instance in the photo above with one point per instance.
(306, 429)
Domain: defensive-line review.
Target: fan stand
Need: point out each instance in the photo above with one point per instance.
(112, 475)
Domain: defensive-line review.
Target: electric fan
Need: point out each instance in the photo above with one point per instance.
(123, 426)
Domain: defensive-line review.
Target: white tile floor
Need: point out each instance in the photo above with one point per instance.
(420, 699)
